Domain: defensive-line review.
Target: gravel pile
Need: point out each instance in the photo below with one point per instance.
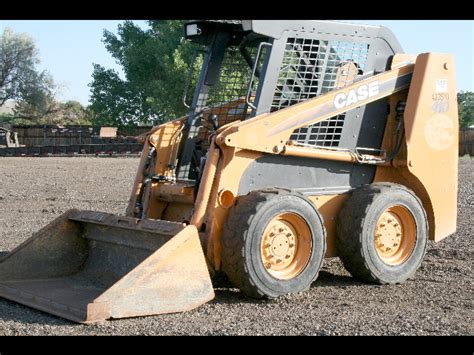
(438, 301)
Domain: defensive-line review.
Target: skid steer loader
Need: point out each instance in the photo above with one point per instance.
(304, 140)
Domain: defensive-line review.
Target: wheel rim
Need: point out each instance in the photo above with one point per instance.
(286, 246)
(395, 235)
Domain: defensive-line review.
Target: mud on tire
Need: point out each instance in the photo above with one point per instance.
(357, 239)
(242, 242)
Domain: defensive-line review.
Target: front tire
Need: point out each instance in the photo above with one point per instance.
(382, 233)
(273, 243)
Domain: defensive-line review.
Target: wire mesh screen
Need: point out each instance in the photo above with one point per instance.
(232, 85)
(311, 68)
(326, 133)
(226, 99)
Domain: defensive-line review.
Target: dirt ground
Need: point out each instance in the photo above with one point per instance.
(437, 301)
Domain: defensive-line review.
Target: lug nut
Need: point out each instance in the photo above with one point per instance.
(287, 256)
(288, 235)
(278, 260)
(281, 230)
(272, 234)
(291, 245)
(268, 265)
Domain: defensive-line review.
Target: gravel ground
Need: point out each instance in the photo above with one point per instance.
(437, 301)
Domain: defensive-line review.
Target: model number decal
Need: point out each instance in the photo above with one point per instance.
(440, 102)
(440, 97)
(355, 95)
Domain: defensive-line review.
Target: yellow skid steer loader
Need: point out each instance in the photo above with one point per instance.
(304, 140)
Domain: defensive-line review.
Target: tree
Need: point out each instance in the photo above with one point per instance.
(20, 80)
(155, 62)
(114, 101)
(466, 108)
(72, 112)
(63, 113)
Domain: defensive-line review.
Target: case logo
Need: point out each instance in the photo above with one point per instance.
(355, 95)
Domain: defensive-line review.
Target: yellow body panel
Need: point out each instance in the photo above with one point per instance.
(430, 146)
(329, 207)
(431, 124)
(428, 160)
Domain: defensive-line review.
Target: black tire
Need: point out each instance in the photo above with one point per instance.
(242, 237)
(356, 230)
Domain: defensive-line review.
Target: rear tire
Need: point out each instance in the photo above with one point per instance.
(382, 233)
(273, 243)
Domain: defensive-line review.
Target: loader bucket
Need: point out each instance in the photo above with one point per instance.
(90, 266)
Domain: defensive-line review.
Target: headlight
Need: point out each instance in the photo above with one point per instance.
(193, 30)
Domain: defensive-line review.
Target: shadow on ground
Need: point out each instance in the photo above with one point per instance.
(226, 293)
(326, 279)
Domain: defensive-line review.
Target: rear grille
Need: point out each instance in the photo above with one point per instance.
(314, 67)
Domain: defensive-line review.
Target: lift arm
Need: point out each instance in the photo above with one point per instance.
(269, 132)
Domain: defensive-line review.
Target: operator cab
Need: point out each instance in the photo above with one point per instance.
(231, 60)
(245, 68)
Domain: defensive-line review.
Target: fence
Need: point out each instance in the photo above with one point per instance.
(51, 135)
(466, 141)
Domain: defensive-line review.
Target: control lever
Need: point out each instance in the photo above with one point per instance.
(213, 120)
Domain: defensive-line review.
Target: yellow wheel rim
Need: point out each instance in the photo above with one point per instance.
(395, 235)
(286, 246)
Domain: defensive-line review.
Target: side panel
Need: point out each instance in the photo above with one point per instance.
(329, 207)
(431, 123)
(428, 159)
(309, 176)
(233, 168)
(232, 164)
(231, 175)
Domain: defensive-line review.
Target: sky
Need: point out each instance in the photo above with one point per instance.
(67, 48)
